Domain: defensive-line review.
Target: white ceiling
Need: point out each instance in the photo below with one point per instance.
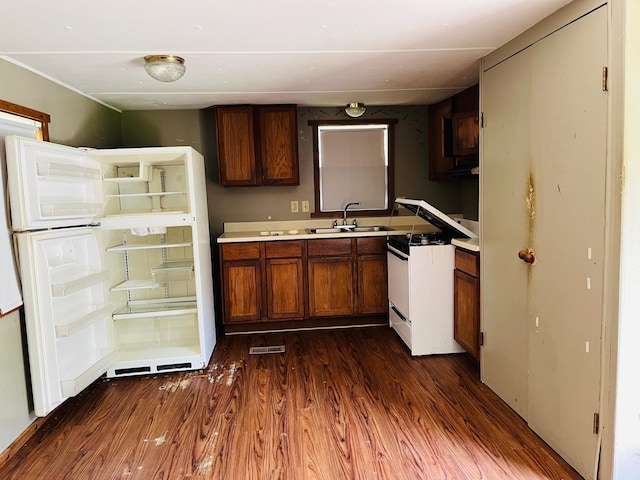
(309, 52)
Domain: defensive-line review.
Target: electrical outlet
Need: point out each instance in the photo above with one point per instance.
(305, 205)
(294, 206)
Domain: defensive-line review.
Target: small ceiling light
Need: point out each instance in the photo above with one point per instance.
(355, 109)
(165, 68)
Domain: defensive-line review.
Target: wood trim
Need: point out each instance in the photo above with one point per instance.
(43, 118)
(9, 312)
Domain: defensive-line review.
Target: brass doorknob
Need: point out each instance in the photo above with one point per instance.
(527, 256)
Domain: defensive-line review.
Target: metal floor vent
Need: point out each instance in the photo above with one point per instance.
(267, 349)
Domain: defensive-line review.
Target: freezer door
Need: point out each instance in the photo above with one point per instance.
(51, 185)
(69, 326)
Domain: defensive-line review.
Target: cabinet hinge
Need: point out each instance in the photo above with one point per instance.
(596, 423)
(605, 78)
(481, 338)
(481, 119)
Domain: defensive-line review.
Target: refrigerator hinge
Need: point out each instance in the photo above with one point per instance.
(596, 423)
(605, 78)
(481, 339)
(481, 119)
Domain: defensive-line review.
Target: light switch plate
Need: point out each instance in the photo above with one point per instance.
(305, 205)
(294, 206)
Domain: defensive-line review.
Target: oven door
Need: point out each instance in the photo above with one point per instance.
(398, 274)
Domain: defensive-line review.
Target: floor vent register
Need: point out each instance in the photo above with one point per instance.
(267, 349)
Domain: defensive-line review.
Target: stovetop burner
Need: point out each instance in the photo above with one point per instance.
(426, 239)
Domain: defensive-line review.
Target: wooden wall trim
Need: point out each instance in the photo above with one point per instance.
(43, 118)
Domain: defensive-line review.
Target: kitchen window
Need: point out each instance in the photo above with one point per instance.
(353, 162)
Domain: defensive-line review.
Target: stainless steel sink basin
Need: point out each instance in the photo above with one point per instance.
(325, 230)
(374, 228)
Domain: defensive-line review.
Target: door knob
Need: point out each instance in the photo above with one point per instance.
(527, 255)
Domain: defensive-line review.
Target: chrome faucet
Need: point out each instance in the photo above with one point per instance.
(344, 212)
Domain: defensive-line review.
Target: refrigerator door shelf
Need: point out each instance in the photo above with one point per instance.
(70, 387)
(70, 287)
(69, 328)
(61, 170)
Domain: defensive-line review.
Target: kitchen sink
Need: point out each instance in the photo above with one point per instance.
(373, 228)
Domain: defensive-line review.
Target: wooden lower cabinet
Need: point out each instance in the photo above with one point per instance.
(372, 275)
(242, 291)
(330, 286)
(284, 288)
(303, 279)
(372, 284)
(466, 310)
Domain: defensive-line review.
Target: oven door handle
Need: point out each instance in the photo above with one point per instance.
(397, 254)
(402, 317)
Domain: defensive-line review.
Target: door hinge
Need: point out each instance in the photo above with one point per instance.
(596, 423)
(481, 119)
(481, 339)
(605, 78)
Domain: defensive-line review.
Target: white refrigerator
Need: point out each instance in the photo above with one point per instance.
(114, 259)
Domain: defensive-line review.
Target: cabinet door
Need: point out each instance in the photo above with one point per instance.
(284, 282)
(466, 312)
(440, 132)
(279, 145)
(372, 284)
(330, 286)
(242, 292)
(465, 133)
(236, 146)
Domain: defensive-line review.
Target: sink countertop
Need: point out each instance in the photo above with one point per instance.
(471, 244)
(297, 230)
(301, 234)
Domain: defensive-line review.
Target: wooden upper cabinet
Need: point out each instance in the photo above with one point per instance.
(279, 145)
(257, 145)
(440, 139)
(454, 135)
(236, 146)
(465, 133)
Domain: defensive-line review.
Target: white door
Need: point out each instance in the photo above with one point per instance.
(69, 326)
(544, 154)
(51, 185)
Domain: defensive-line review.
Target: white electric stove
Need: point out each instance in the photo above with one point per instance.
(420, 267)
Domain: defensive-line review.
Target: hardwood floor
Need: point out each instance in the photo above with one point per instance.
(338, 404)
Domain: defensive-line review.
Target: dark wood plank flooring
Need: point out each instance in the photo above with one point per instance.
(338, 404)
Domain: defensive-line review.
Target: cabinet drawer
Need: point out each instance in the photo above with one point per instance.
(371, 245)
(338, 246)
(240, 251)
(283, 249)
(468, 262)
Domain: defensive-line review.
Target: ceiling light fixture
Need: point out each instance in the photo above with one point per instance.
(355, 110)
(165, 68)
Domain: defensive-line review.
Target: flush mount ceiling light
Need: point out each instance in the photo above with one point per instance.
(355, 109)
(165, 68)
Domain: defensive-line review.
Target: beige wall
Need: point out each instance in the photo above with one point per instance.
(75, 119)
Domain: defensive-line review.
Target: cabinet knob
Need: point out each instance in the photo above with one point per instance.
(527, 256)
